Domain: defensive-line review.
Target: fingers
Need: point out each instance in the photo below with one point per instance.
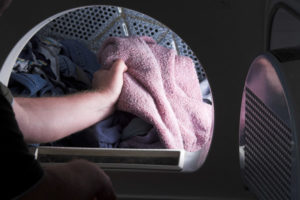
(109, 82)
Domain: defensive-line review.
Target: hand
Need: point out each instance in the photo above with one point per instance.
(77, 180)
(109, 82)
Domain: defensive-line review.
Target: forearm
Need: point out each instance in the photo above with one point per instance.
(51, 118)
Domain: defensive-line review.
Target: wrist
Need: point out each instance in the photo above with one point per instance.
(104, 101)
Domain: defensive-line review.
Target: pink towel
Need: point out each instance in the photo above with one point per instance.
(161, 88)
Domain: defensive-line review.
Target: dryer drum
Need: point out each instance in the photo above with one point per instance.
(92, 25)
(269, 125)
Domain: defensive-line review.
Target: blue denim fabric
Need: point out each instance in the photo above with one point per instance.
(31, 85)
(78, 53)
(49, 67)
(72, 75)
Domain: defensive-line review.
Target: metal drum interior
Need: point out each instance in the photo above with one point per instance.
(92, 25)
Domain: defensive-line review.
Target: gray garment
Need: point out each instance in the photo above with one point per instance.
(206, 93)
(136, 127)
(65, 66)
(140, 134)
(61, 64)
(149, 141)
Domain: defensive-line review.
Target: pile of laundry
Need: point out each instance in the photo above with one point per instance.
(160, 106)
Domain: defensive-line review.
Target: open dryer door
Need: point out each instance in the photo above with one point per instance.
(269, 119)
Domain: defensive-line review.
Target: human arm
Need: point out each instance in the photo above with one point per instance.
(23, 177)
(48, 119)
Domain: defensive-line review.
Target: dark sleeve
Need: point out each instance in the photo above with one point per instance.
(6, 93)
(19, 170)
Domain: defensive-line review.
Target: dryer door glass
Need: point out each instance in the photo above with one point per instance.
(285, 29)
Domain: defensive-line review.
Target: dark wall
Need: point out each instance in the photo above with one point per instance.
(226, 35)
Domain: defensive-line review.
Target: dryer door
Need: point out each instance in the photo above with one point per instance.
(269, 134)
(284, 28)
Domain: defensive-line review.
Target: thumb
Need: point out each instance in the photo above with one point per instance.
(119, 67)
